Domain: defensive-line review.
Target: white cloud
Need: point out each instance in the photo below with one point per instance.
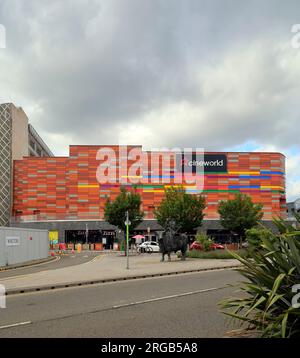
(293, 176)
(247, 95)
(156, 73)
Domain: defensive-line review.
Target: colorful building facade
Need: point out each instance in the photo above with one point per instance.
(77, 187)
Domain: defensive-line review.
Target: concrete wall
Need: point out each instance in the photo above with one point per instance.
(32, 245)
(19, 133)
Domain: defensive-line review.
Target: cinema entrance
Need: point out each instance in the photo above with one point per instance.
(105, 237)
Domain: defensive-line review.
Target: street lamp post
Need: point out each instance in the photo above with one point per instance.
(86, 233)
(127, 223)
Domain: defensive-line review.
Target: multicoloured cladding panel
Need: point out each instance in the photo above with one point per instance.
(67, 187)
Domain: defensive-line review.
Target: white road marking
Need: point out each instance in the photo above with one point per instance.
(168, 297)
(98, 257)
(30, 266)
(121, 306)
(15, 325)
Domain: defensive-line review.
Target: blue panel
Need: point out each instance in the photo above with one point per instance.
(244, 186)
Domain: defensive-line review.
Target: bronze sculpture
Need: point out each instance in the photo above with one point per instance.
(172, 241)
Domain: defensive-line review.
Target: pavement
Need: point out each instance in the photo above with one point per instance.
(182, 305)
(109, 267)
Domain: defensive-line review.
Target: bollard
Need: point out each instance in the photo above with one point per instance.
(78, 248)
(2, 296)
(85, 246)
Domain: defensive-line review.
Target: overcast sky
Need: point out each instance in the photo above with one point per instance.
(222, 75)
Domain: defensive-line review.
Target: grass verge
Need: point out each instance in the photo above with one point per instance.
(215, 254)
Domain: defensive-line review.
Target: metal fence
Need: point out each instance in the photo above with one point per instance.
(18, 245)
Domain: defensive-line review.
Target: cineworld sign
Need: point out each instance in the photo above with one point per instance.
(197, 163)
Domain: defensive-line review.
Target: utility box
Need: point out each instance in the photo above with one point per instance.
(20, 245)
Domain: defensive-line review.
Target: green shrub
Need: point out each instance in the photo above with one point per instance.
(271, 273)
(255, 236)
(204, 240)
(214, 254)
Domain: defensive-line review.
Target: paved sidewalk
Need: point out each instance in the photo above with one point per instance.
(109, 268)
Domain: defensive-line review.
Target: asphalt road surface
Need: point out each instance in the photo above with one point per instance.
(62, 261)
(175, 306)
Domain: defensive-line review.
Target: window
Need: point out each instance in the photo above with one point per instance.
(32, 144)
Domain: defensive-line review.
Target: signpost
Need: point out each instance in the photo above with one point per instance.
(127, 223)
(86, 233)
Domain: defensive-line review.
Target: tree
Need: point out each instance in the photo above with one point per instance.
(239, 214)
(115, 212)
(185, 209)
(255, 237)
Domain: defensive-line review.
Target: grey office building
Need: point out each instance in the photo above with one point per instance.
(18, 138)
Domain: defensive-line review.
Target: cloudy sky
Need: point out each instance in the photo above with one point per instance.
(222, 75)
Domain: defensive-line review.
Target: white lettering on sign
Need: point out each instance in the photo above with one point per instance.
(12, 241)
(2, 297)
(108, 233)
(296, 298)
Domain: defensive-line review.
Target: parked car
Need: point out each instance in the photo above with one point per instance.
(197, 246)
(245, 245)
(152, 244)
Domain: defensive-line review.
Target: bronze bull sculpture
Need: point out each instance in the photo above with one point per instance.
(172, 243)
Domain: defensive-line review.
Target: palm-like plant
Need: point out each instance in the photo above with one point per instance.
(271, 273)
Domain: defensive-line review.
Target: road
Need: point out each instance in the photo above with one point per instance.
(175, 306)
(62, 261)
